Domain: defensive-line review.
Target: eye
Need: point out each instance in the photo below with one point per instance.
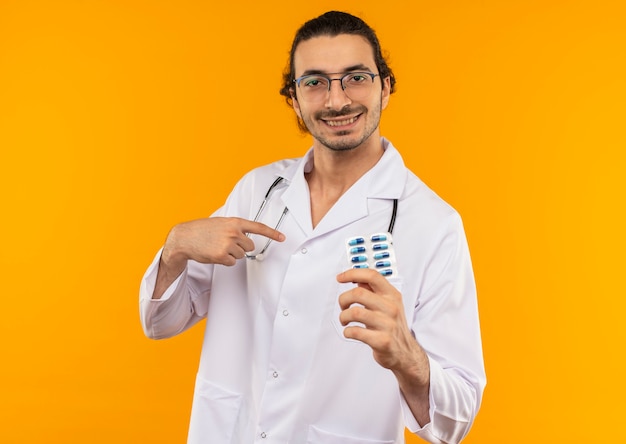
(357, 77)
(314, 82)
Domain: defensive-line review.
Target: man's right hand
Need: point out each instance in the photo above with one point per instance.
(214, 240)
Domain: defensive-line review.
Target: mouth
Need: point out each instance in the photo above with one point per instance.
(336, 123)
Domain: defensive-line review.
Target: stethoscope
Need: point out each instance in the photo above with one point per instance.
(260, 255)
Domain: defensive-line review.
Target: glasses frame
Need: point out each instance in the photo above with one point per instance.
(332, 79)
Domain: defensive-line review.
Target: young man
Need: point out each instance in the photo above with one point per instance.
(300, 347)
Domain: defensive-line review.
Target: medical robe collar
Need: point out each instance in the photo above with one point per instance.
(386, 180)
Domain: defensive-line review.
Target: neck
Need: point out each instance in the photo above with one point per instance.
(334, 172)
(339, 170)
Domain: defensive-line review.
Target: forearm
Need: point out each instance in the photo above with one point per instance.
(169, 270)
(171, 263)
(414, 382)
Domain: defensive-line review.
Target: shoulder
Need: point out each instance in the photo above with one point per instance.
(417, 202)
(424, 203)
(263, 176)
(426, 222)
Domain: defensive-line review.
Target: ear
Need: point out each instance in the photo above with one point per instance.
(295, 103)
(386, 92)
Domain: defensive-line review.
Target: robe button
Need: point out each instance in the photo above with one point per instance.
(303, 251)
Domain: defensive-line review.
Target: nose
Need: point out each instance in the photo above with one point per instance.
(337, 97)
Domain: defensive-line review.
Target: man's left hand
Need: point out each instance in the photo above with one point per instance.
(378, 305)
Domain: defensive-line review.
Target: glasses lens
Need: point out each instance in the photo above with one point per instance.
(313, 88)
(357, 85)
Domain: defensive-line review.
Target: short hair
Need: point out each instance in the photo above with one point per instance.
(334, 23)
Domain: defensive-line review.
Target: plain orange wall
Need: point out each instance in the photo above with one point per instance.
(120, 118)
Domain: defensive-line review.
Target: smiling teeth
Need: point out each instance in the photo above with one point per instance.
(341, 122)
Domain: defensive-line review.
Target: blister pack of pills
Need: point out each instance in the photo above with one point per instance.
(374, 251)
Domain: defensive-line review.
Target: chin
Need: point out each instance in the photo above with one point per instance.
(341, 145)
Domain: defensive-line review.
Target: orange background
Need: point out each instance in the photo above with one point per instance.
(120, 118)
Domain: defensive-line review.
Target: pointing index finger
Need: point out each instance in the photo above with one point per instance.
(259, 228)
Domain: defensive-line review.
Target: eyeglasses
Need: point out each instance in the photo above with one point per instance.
(259, 255)
(356, 85)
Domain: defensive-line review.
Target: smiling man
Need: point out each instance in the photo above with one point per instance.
(337, 288)
(346, 114)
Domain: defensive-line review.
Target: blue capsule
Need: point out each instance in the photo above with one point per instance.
(379, 238)
(356, 241)
(386, 272)
(360, 266)
(380, 246)
(381, 264)
(361, 258)
(357, 250)
(383, 255)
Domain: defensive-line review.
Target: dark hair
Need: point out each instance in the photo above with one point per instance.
(331, 24)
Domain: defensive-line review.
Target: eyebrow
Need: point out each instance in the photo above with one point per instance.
(358, 67)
